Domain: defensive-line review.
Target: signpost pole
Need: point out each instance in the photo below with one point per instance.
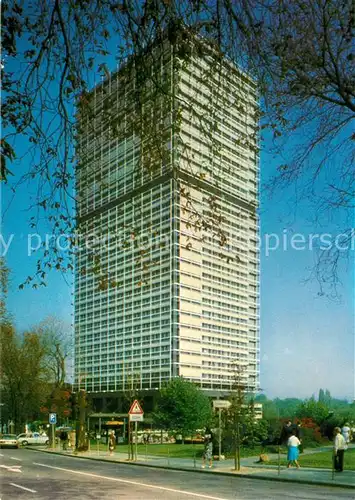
(53, 436)
(135, 415)
(219, 434)
(53, 422)
(135, 440)
(220, 404)
(129, 439)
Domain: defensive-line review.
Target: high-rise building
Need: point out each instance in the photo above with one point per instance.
(167, 274)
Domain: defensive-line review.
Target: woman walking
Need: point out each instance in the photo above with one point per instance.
(207, 452)
(111, 442)
(292, 449)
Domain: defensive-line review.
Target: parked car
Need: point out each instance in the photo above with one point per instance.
(8, 441)
(34, 438)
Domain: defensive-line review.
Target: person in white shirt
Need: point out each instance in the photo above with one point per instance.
(339, 448)
(292, 449)
(346, 432)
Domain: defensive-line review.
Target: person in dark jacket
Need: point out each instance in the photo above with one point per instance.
(299, 434)
(63, 436)
(286, 432)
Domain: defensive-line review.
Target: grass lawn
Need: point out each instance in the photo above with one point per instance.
(172, 450)
(322, 460)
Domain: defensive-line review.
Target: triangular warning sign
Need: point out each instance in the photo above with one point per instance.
(135, 409)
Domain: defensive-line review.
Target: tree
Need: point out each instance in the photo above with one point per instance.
(321, 396)
(182, 407)
(327, 397)
(130, 394)
(315, 410)
(287, 407)
(4, 282)
(81, 440)
(59, 348)
(300, 53)
(240, 417)
(24, 377)
(33, 370)
(270, 409)
(311, 99)
(254, 430)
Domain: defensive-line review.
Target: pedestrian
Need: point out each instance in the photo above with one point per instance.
(63, 436)
(292, 449)
(111, 442)
(299, 434)
(339, 449)
(207, 452)
(286, 432)
(346, 432)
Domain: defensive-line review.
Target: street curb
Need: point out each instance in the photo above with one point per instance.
(202, 471)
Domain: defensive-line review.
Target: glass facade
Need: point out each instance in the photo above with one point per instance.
(157, 294)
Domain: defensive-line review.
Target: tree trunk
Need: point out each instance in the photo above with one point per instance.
(238, 447)
(81, 428)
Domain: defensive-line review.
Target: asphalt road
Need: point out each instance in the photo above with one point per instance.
(32, 475)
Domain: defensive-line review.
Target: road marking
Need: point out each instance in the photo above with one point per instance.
(135, 483)
(12, 468)
(23, 487)
(1, 455)
(18, 459)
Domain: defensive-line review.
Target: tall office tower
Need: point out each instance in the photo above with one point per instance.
(167, 274)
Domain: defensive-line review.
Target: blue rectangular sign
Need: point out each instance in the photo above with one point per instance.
(52, 418)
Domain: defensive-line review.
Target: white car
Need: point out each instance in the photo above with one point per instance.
(8, 441)
(33, 438)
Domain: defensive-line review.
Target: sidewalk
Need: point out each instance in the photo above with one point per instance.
(249, 467)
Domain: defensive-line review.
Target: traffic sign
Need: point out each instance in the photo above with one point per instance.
(135, 409)
(222, 404)
(136, 417)
(53, 418)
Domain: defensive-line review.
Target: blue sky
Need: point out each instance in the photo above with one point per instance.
(307, 341)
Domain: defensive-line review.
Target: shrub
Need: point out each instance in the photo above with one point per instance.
(311, 434)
